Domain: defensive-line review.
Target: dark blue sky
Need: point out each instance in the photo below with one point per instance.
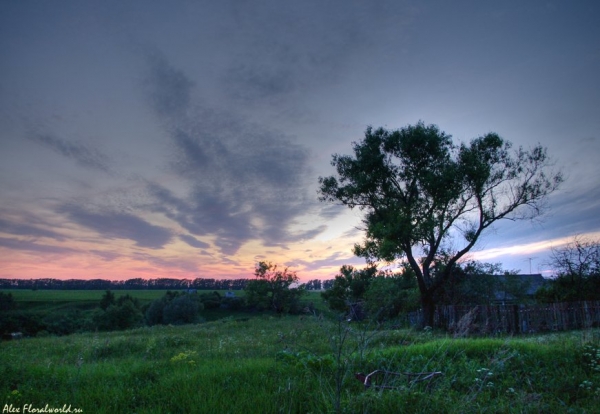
(186, 138)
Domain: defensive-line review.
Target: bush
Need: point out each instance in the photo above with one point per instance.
(233, 304)
(380, 293)
(174, 309)
(154, 313)
(29, 323)
(387, 297)
(211, 300)
(7, 302)
(107, 299)
(65, 322)
(272, 289)
(183, 309)
(121, 316)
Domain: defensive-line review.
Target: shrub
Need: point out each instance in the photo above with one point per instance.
(119, 316)
(154, 313)
(211, 300)
(7, 302)
(65, 322)
(272, 289)
(183, 309)
(174, 309)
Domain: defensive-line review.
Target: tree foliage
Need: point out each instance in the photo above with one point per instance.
(349, 287)
(379, 294)
(107, 299)
(125, 313)
(428, 200)
(7, 302)
(476, 283)
(392, 294)
(174, 308)
(272, 289)
(577, 267)
(183, 309)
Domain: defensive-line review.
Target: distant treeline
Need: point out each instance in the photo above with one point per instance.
(157, 284)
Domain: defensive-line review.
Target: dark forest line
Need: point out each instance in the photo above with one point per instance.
(139, 283)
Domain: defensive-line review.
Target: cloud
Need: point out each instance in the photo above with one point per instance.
(570, 211)
(169, 88)
(194, 242)
(15, 244)
(107, 256)
(337, 259)
(353, 233)
(331, 211)
(244, 181)
(120, 225)
(188, 266)
(228, 261)
(285, 51)
(82, 154)
(21, 229)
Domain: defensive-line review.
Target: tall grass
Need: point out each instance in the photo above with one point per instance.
(299, 365)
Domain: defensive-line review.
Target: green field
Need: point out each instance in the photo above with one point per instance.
(261, 363)
(24, 295)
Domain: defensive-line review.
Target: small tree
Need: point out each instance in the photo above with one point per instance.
(7, 302)
(428, 200)
(349, 287)
(381, 294)
(107, 299)
(390, 295)
(577, 267)
(272, 289)
(174, 308)
(118, 316)
(182, 309)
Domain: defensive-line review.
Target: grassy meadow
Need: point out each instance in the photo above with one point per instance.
(57, 303)
(82, 298)
(260, 363)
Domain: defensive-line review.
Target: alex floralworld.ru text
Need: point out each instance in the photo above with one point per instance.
(29, 408)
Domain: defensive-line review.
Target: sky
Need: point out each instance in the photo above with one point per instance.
(185, 139)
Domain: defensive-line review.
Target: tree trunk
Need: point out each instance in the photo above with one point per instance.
(428, 305)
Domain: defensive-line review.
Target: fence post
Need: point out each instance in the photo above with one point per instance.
(516, 318)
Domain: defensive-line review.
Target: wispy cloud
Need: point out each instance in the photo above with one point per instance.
(169, 88)
(194, 242)
(530, 248)
(166, 263)
(82, 154)
(331, 211)
(244, 181)
(107, 256)
(22, 229)
(119, 225)
(300, 47)
(32, 246)
(336, 259)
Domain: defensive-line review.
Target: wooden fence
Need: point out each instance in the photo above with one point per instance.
(515, 319)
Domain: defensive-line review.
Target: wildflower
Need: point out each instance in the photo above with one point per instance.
(184, 357)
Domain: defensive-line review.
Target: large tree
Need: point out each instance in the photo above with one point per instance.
(427, 200)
